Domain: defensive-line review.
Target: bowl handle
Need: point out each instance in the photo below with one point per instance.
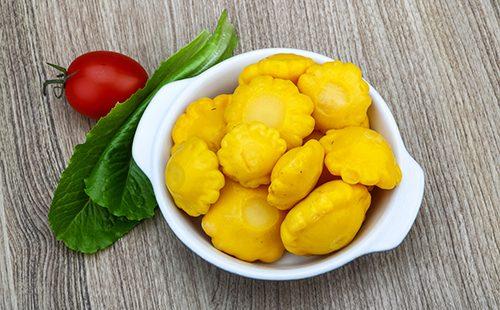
(150, 122)
(399, 222)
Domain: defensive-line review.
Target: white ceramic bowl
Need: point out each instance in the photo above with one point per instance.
(389, 218)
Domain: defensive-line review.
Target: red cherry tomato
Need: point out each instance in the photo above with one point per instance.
(95, 82)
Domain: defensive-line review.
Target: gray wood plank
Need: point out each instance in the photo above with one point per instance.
(435, 62)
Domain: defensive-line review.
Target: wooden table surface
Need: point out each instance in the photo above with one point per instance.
(435, 62)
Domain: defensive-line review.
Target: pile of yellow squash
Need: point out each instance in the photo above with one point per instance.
(285, 162)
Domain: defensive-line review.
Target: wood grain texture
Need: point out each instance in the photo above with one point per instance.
(435, 62)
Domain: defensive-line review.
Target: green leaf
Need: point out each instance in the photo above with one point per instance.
(116, 182)
(73, 216)
(113, 183)
(94, 227)
(220, 46)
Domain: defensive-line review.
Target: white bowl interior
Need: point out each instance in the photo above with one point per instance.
(223, 79)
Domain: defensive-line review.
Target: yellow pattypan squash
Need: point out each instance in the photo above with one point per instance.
(243, 224)
(192, 176)
(276, 103)
(204, 118)
(283, 66)
(326, 220)
(340, 95)
(295, 175)
(249, 152)
(361, 155)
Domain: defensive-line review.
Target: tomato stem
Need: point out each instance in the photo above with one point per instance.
(55, 81)
(60, 81)
(57, 67)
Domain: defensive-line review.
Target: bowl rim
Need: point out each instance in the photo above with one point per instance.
(253, 270)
